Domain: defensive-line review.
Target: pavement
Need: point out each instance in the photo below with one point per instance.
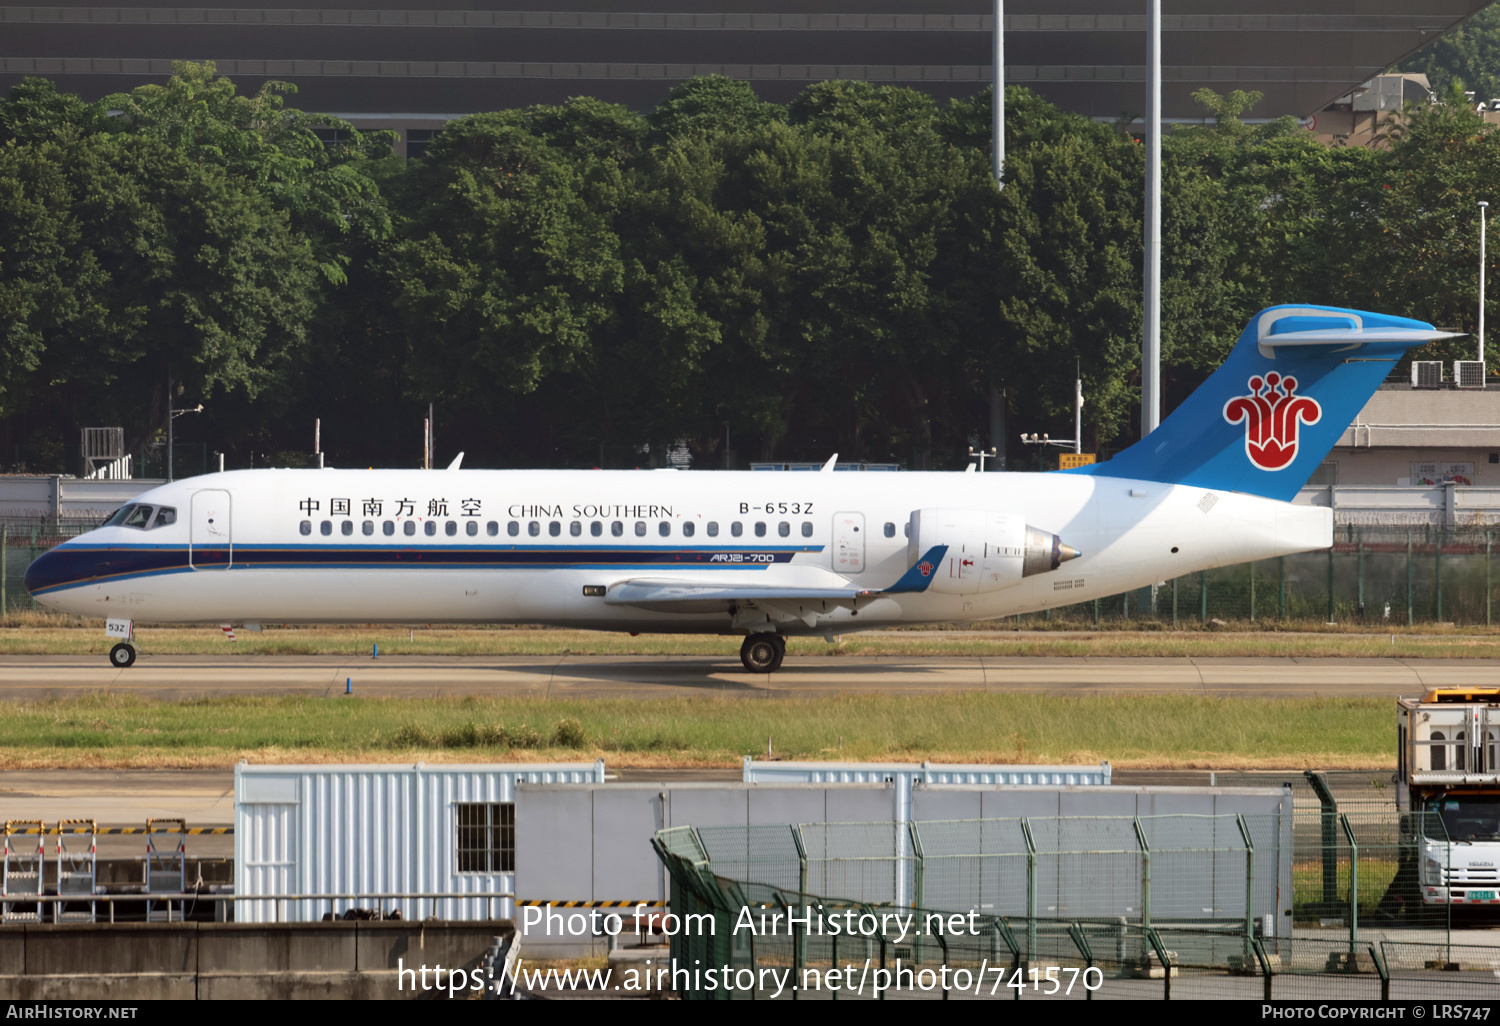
(32, 678)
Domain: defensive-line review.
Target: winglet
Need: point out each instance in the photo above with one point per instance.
(919, 576)
(456, 461)
(833, 461)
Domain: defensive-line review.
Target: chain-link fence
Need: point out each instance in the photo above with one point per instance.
(21, 542)
(1081, 907)
(1374, 575)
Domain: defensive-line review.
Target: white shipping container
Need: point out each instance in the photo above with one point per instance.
(360, 831)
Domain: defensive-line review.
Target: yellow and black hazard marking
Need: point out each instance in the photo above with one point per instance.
(592, 904)
(53, 831)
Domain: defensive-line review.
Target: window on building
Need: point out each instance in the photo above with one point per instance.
(486, 837)
(417, 141)
(1326, 474)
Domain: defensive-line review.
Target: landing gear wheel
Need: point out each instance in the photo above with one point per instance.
(763, 653)
(122, 655)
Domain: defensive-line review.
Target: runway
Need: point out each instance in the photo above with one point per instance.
(33, 678)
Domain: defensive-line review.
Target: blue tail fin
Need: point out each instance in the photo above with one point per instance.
(1265, 419)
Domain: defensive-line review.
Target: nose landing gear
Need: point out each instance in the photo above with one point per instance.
(763, 653)
(122, 655)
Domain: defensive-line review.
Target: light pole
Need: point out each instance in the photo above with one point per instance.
(171, 416)
(1483, 206)
(997, 100)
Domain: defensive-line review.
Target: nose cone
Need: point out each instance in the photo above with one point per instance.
(49, 571)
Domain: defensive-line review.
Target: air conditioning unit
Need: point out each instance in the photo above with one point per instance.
(1468, 373)
(1426, 374)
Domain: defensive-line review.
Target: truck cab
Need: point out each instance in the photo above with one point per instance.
(1449, 773)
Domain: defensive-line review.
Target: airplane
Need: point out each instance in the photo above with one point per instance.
(763, 555)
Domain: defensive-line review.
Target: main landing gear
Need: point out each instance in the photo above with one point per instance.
(122, 655)
(763, 653)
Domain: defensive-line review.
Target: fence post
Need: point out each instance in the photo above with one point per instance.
(1353, 885)
(1487, 541)
(919, 872)
(1249, 886)
(5, 564)
(1437, 563)
(1096, 612)
(1281, 589)
(1166, 966)
(799, 944)
(1408, 579)
(1140, 838)
(1359, 558)
(1384, 971)
(1174, 603)
(1330, 584)
(1252, 591)
(1081, 942)
(1330, 835)
(1203, 596)
(1031, 888)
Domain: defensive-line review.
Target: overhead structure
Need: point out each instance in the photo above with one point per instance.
(418, 65)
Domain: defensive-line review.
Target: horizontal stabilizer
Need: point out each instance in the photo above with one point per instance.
(1356, 336)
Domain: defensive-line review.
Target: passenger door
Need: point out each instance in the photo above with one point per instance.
(210, 546)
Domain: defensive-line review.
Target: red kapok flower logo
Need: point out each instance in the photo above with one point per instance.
(1272, 413)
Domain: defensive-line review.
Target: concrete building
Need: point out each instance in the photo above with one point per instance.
(391, 64)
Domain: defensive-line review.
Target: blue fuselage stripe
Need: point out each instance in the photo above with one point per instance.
(72, 565)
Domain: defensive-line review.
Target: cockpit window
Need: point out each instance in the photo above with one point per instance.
(119, 515)
(164, 515)
(140, 516)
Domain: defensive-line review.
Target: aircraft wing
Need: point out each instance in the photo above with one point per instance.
(686, 596)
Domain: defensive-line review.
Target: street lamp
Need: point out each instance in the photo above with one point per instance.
(171, 416)
(1483, 206)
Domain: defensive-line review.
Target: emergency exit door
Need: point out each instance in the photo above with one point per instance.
(849, 543)
(210, 545)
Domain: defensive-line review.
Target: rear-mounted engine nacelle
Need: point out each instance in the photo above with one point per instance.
(986, 551)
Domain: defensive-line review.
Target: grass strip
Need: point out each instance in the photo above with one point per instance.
(356, 641)
(1167, 731)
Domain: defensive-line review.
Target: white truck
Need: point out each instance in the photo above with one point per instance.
(1449, 780)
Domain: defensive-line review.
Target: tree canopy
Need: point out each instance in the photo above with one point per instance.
(583, 284)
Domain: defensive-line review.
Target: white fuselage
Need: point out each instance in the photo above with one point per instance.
(352, 546)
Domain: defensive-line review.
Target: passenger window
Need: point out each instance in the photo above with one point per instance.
(713, 528)
(388, 527)
(409, 528)
(326, 527)
(736, 528)
(906, 529)
(890, 530)
(450, 528)
(305, 527)
(164, 516)
(492, 528)
(141, 516)
(596, 528)
(554, 528)
(784, 529)
(575, 528)
(369, 527)
(687, 528)
(807, 528)
(471, 528)
(430, 527)
(617, 528)
(534, 528)
(664, 529)
(760, 529)
(346, 527)
(640, 529)
(513, 528)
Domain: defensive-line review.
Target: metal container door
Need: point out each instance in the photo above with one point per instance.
(209, 543)
(849, 543)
